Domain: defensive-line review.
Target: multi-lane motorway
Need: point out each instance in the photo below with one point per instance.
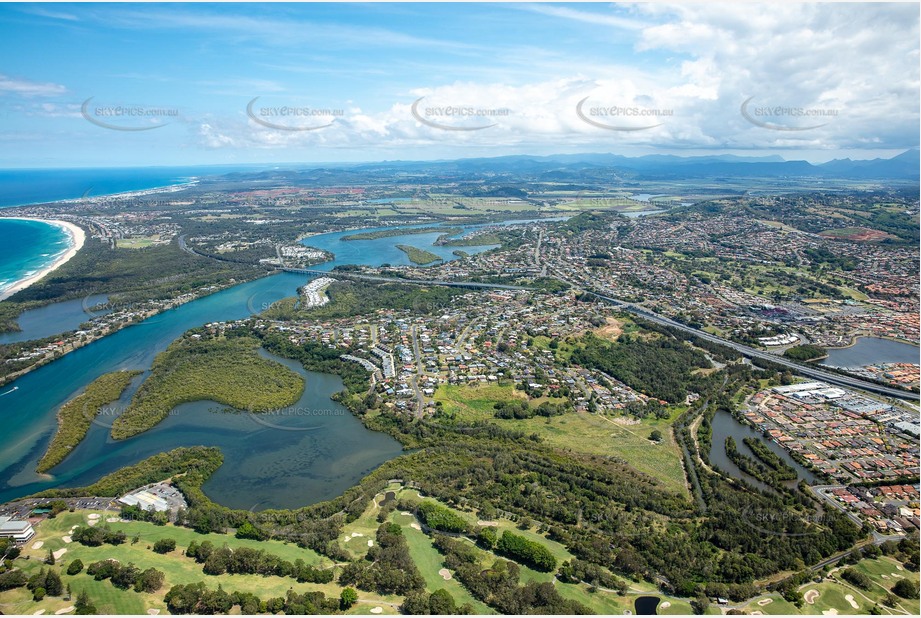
(812, 372)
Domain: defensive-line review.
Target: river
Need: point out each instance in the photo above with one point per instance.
(264, 466)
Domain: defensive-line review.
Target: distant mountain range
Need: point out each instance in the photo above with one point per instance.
(582, 167)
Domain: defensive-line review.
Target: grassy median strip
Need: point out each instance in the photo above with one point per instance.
(75, 416)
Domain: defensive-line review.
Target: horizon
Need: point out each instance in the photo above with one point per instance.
(135, 85)
(290, 164)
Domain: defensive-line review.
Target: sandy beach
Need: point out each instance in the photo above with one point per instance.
(77, 237)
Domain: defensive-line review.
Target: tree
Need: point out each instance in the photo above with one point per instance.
(441, 603)
(149, 580)
(49, 559)
(75, 567)
(38, 594)
(249, 531)
(906, 589)
(700, 604)
(164, 546)
(656, 435)
(487, 538)
(53, 585)
(348, 598)
(83, 606)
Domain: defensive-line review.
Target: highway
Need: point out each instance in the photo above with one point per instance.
(812, 372)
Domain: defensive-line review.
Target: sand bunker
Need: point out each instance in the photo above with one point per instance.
(113, 520)
(72, 528)
(357, 534)
(370, 543)
(764, 602)
(830, 612)
(67, 539)
(38, 613)
(850, 599)
(92, 522)
(57, 554)
(665, 605)
(415, 526)
(64, 610)
(37, 544)
(445, 574)
(405, 513)
(811, 596)
(153, 611)
(377, 610)
(93, 516)
(757, 613)
(487, 524)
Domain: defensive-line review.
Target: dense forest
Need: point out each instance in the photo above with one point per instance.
(656, 366)
(199, 367)
(76, 416)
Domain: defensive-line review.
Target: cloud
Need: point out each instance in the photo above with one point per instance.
(27, 88)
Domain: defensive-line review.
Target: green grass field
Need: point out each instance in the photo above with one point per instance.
(177, 568)
(579, 432)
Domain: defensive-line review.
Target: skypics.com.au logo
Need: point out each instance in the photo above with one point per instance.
(457, 117)
(777, 117)
(128, 118)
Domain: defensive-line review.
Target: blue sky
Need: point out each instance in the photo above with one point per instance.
(263, 83)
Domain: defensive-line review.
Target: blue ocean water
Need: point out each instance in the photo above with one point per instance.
(27, 247)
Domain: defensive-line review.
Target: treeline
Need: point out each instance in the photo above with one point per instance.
(387, 568)
(805, 352)
(351, 298)
(198, 461)
(498, 586)
(440, 518)
(227, 370)
(198, 599)
(659, 368)
(528, 552)
(401, 232)
(248, 561)
(577, 571)
(133, 275)
(92, 536)
(522, 409)
(126, 576)
(76, 416)
(755, 468)
(782, 470)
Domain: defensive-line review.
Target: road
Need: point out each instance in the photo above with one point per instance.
(812, 372)
(455, 284)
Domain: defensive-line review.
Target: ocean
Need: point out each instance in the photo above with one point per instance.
(27, 247)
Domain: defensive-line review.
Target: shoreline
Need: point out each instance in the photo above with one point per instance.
(77, 240)
(122, 194)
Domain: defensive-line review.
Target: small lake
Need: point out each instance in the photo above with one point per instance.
(646, 606)
(725, 425)
(870, 351)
